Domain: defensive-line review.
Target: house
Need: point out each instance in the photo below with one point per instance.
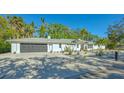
(43, 45)
(89, 45)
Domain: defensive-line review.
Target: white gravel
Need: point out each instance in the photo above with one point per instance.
(57, 65)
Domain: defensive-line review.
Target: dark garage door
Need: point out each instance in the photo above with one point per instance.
(25, 47)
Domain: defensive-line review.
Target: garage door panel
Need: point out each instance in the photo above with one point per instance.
(33, 47)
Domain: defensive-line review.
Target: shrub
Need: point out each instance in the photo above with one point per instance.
(85, 51)
(4, 46)
(99, 52)
(69, 50)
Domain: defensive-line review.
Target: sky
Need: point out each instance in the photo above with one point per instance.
(94, 23)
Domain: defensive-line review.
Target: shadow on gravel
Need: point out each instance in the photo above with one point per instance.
(44, 68)
(115, 76)
(118, 66)
(49, 68)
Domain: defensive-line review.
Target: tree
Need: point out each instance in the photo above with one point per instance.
(16, 26)
(13, 27)
(3, 23)
(102, 41)
(4, 46)
(61, 31)
(42, 27)
(84, 34)
(4, 30)
(29, 30)
(116, 34)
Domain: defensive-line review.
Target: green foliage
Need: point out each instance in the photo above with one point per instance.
(42, 31)
(116, 34)
(102, 41)
(4, 46)
(43, 28)
(4, 34)
(16, 25)
(3, 23)
(111, 45)
(100, 52)
(86, 35)
(29, 30)
(61, 31)
(13, 27)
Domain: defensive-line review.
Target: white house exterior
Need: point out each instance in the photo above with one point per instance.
(26, 45)
(15, 48)
(43, 45)
(61, 47)
(91, 46)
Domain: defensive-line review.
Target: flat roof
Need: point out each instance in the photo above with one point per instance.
(46, 41)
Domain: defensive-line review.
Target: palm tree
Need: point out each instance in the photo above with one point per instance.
(84, 34)
(43, 27)
(58, 31)
(17, 26)
(29, 30)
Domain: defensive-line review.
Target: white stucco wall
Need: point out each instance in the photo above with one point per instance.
(56, 48)
(49, 47)
(98, 47)
(15, 48)
(102, 47)
(86, 46)
(76, 47)
(95, 47)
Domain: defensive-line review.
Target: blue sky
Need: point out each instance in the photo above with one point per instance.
(94, 23)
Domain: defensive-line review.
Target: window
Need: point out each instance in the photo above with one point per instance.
(60, 45)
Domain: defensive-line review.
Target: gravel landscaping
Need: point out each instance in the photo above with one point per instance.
(57, 65)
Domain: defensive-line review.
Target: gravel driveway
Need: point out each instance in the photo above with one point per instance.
(55, 65)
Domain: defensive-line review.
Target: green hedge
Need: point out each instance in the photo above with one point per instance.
(4, 46)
